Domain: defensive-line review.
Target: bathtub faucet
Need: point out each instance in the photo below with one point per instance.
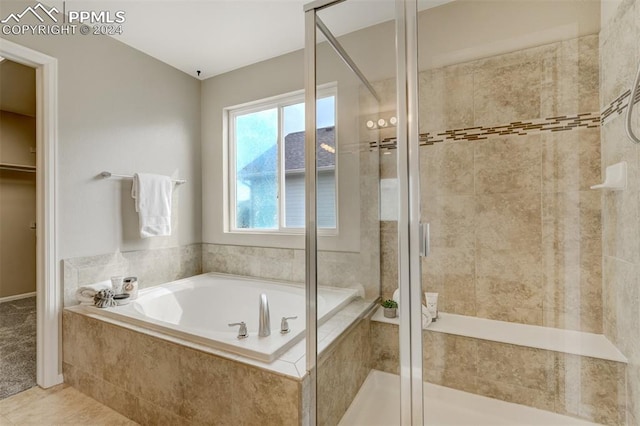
(265, 319)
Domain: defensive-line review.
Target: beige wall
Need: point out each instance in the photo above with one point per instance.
(466, 30)
(263, 80)
(619, 47)
(17, 204)
(123, 111)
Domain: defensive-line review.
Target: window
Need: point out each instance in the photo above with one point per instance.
(266, 156)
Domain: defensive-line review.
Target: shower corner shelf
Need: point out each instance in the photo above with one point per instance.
(615, 177)
(17, 167)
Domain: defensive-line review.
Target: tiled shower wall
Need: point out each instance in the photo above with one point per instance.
(510, 146)
(619, 56)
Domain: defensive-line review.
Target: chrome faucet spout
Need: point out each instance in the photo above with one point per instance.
(265, 319)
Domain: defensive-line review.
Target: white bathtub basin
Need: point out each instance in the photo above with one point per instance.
(200, 308)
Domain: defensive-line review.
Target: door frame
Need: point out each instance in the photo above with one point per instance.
(409, 262)
(48, 282)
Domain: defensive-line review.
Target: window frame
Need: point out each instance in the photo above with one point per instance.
(278, 102)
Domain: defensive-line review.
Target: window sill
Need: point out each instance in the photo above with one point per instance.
(326, 242)
(288, 233)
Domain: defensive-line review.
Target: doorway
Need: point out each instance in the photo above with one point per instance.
(48, 282)
(17, 227)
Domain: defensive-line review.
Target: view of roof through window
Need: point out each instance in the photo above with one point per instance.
(258, 166)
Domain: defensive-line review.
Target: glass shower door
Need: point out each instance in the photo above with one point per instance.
(526, 257)
(373, 212)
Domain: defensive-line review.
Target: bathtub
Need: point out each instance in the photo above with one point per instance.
(200, 308)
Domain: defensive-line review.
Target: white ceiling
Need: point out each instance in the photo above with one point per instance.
(216, 36)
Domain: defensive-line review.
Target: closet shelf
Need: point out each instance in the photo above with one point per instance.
(17, 167)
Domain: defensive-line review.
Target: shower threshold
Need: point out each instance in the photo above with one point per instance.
(378, 403)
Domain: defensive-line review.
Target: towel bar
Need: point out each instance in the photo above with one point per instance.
(110, 175)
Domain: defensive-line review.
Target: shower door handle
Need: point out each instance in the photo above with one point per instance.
(425, 239)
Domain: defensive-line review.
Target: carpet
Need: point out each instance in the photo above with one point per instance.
(17, 346)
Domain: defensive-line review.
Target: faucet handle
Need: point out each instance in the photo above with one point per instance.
(242, 331)
(284, 325)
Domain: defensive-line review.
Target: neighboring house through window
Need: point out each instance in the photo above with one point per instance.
(267, 176)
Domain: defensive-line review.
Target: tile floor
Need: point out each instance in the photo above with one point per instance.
(59, 405)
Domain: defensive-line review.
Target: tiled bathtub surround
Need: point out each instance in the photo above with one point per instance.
(155, 381)
(516, 232)
(150, 266)
(335, 269)
(619, 57)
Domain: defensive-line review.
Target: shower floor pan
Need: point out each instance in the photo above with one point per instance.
(378, 404)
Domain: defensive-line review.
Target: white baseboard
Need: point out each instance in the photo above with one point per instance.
(17, 297)
(55, 382)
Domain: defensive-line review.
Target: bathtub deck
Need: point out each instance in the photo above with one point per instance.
(378, 404)
(291, 364)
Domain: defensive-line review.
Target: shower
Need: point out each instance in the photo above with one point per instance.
(501, 133)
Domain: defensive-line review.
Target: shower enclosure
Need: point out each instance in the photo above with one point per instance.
(468, 137)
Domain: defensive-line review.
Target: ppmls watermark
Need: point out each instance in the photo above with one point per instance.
(51, 21)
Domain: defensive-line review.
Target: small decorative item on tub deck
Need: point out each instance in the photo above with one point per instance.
(121, 299)
(390, 307)
(86, 293)
(116, 284)
(130, 287)
(104, 299)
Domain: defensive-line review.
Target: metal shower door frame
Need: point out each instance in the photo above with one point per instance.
(409, 273)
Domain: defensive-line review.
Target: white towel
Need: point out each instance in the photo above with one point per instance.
(152, 195)
(85, 294)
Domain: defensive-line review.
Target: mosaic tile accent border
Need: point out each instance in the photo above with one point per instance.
(517, 128)
(618, 106)
(522, 128)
